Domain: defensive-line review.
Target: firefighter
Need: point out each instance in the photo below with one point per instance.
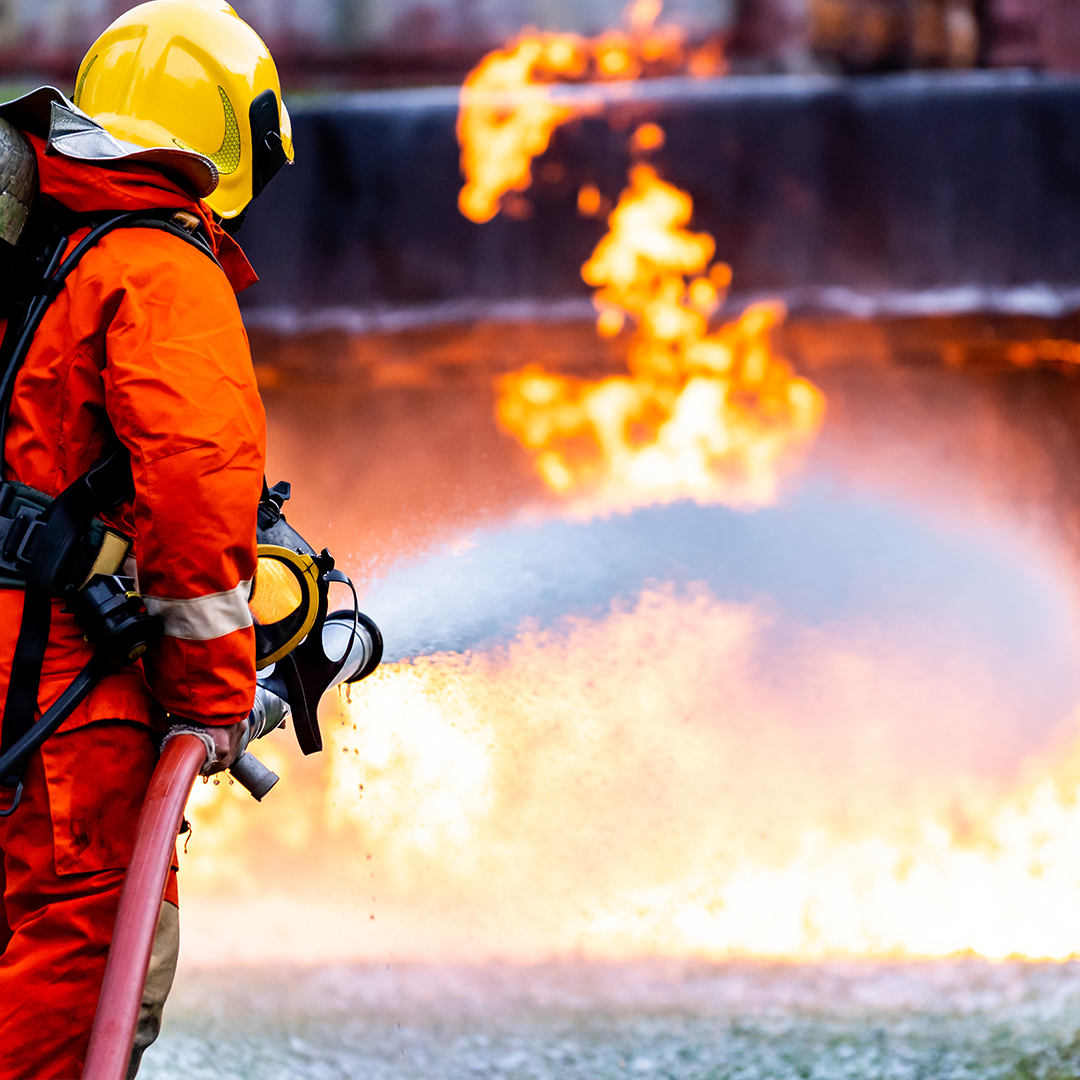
(177, 107)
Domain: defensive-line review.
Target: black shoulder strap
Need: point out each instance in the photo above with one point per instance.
(103, 487)
(180, 223)
(170, 221)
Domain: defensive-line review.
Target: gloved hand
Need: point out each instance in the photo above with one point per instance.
(228, 742)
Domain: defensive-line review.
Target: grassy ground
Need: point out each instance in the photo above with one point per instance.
(938, 1021)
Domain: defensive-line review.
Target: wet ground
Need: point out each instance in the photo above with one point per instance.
(935, 1021)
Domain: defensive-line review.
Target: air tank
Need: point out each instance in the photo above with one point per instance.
(18, 186)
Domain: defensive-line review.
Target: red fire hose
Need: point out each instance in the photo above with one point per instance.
(140, 903)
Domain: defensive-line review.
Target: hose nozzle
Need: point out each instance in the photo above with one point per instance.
(250, 772)
(269, 712)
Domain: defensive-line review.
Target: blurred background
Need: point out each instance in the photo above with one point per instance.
(357, 43)
(685, 705)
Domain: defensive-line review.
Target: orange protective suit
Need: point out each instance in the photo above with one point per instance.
(145, 337)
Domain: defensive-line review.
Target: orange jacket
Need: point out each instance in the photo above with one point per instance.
(146, 336)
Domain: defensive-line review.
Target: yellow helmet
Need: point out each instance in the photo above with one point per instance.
(193, 74)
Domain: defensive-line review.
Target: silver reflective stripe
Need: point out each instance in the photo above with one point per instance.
(205, 617)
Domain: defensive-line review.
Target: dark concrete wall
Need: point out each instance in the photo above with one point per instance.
(899, 183)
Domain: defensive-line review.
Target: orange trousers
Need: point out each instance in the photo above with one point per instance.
(64, 852)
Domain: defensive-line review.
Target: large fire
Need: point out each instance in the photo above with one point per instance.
(713, 415)
(629, 785)
(679, 775)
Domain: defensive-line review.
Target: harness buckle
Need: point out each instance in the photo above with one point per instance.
(34, 523)
(18, 535)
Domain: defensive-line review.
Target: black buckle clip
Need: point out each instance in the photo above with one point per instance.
(34, 523)
(18, 535)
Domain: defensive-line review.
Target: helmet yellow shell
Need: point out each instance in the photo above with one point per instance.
(193, 74)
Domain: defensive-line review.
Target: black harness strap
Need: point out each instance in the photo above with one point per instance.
(13, 761)
(106, 485)
(167, 224)
(103, 487)
(56, 273)
(21, 703)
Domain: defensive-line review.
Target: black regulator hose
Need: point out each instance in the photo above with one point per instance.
(14, 761)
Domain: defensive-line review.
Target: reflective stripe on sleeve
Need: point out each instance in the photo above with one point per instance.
(205, 617)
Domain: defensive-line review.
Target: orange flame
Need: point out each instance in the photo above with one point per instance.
(515, 804)
(508, 111)
(713, 415)
(507, 116)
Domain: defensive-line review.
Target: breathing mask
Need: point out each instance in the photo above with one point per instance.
(302, 649)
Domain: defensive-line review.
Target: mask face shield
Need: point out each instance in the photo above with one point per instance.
(284, 601)
(309, 649)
